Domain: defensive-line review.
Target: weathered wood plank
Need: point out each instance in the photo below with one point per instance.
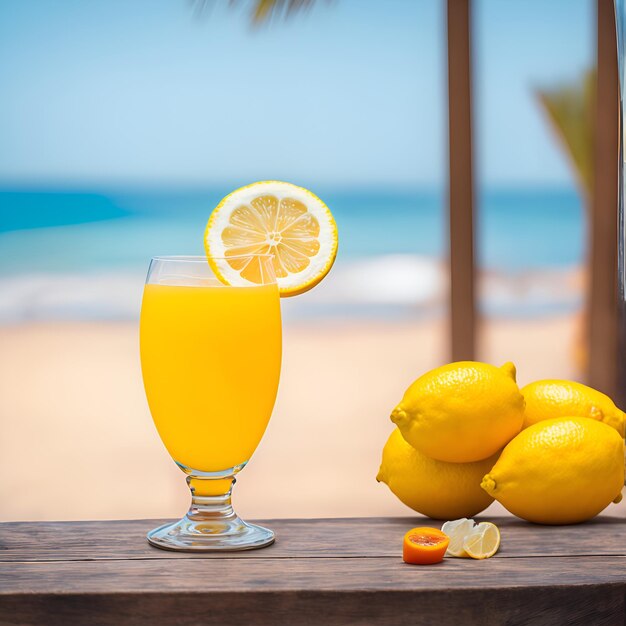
(588, 605)
(341, 571)
(461, 182)
(322, 574)
(602, 331)
(341, 538)
(315, 591)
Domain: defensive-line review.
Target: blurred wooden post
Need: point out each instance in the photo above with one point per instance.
(602, 297)
(460, 183)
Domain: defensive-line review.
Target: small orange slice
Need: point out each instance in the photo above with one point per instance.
(424, 546)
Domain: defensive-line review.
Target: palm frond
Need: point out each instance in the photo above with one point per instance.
(260, 11)
(569, 109)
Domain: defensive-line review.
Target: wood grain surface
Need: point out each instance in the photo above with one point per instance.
(336, 571)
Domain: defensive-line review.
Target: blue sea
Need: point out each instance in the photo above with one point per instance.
(81, 254)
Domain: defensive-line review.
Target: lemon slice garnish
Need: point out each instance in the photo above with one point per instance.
(457, 530)
(272, 217)
(483, 542)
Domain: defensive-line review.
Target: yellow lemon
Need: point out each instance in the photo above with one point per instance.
(559, 471)
(433, 488)
(547, 399)
(461, 412)
(284, 221)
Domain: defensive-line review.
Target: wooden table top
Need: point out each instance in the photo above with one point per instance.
(328, 571)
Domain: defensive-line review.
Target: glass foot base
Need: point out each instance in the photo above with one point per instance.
(190, 535)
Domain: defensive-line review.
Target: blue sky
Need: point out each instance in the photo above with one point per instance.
(116, 92)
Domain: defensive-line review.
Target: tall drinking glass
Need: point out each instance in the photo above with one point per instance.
(210, 358)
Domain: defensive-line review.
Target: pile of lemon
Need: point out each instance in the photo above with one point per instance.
(551, 453)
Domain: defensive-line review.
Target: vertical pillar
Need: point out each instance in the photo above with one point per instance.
(602, 327)
(460, 182)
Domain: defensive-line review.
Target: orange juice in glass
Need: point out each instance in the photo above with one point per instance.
(210, 358)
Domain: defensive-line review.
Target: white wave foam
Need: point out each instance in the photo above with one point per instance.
(391, 280)
(39, 297)
(375, 286)
(532, 292)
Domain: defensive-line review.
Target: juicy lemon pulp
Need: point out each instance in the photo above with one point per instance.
(273, 218)
(283, 228)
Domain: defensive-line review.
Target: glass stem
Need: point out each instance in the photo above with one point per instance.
(211, 499)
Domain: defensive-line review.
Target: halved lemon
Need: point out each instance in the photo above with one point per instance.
(483, 542)
(272, 217)
(457, 530)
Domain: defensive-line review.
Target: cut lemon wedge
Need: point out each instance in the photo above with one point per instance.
(483, 542)
(272, 217)
(457, 530)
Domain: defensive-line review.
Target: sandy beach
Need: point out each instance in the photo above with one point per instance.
(77, 440)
